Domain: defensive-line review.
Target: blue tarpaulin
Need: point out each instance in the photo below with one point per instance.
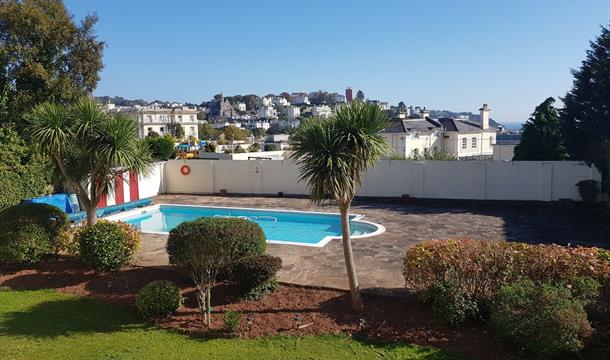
(60, 200)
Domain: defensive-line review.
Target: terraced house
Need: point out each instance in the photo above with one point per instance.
(161, 120)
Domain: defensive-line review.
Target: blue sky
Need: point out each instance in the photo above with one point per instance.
(442, 54)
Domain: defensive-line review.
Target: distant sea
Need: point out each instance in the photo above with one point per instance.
(513, 125)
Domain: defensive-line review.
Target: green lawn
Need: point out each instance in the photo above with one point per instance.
(44, 324)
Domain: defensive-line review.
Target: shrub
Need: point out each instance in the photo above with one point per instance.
(231, 322)
(158, 299)
(31, 231)
(161, 147)
(256, 275)
(479, 268)
(52, 219)
(450, 303)
(544, 319)
(207, 246)
(24, 244)
(107, 246)
(588, 190)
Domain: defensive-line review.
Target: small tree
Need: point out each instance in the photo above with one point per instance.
(89, 148)
(333, 157)
(208, 246)
(541, 138)
(585, 118)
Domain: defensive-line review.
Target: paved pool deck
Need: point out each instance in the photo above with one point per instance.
(379, 258)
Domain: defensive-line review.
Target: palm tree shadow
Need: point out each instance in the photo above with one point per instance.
(66, 317)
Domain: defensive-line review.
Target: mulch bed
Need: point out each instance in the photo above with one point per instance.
(291, 310)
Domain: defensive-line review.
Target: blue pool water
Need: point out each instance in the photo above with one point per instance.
(279, 226)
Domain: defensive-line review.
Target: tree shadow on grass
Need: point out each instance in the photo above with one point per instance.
(65, 317)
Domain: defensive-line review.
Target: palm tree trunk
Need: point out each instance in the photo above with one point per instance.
(349, 259)
(91, 215)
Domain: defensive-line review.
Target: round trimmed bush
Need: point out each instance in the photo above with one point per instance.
(240, 237)
(158, 299)
(24, 244)
(50, 218)
(107, 246)
(256, 275)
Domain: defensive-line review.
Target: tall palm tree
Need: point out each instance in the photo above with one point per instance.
(333, 156)
(89, 147)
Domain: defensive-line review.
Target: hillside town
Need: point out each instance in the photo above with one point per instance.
(268, 122)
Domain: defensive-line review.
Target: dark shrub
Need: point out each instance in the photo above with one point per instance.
(158, 299)
(256, 275)
(588, 190)
(31, 231)
(208, 246)
(546, 320)
(24, 244)
(107, 246)
(51, 218)
(450, 303)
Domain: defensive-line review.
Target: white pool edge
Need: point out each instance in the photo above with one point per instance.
(319, 244)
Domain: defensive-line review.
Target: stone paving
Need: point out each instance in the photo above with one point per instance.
(379, 258)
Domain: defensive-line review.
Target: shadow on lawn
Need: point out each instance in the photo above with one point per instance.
(65, 317)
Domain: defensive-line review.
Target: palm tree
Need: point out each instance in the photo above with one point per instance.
(333, 156)
(88, 147)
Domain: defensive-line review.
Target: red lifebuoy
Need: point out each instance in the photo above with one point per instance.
(185, 170)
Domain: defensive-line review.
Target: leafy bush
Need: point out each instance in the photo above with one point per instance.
(231, 322)
(50, 217)
(545, 319)
(270, 147)
(22, 175)
(31, 231)
(450, 303)
(107, 246)
(256, 275)
(207, 246)
(479, 267)
(158, 299)
(588, 190)
(24, 244)
(161, 147)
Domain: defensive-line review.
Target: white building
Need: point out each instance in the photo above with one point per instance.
(322, 111)
(267, 101)
(267, 112)
(293, 112)
(339, 98)
(463, 138)
(280, 101)
(161, 120)
(241, 106)
(258, 124)
(293, 123)
(299, 99)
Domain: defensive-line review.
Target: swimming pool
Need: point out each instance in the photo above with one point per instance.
(280, 226)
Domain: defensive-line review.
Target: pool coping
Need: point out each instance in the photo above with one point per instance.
(357, 217)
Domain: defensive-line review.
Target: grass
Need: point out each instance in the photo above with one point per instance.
(44, 324)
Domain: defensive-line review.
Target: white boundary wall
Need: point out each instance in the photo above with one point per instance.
(475, 180)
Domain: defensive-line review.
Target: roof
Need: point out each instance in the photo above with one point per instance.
(406, 125)
(508, 139)
(460, 125)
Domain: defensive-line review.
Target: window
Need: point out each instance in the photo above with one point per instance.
(491, 140)
(474, 142)
(179, 118)
(464, 143)
(161, 129)
(192, 130)
(148, 118)
(192, 118)
(148, 129)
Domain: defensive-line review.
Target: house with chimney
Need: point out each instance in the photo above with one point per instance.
(462, 137)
